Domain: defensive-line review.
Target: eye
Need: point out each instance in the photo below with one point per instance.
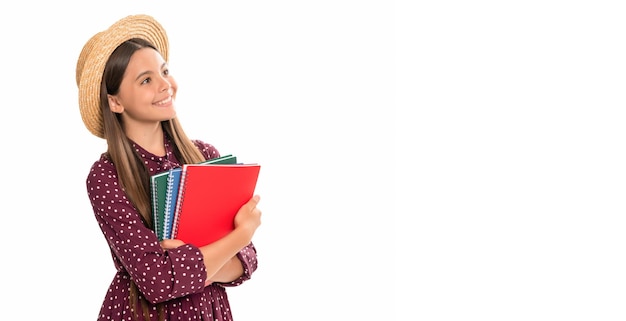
(146, 81)
(166, 72)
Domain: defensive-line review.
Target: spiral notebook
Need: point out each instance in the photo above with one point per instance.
(173, 180)
(209, 197)
(164, 189)
(158, 189)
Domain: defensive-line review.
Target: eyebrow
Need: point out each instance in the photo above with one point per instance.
(148, 71)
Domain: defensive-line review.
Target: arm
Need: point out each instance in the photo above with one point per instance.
(224, 250)
(247, 259)
(238, 267)
(231, 259)
(230, 271)
(235, 271)
(160, 275)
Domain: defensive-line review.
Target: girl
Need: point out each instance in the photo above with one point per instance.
(126, 96)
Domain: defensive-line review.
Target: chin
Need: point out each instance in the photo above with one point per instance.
(169, 114)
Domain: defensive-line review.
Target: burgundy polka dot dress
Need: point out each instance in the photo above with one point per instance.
(176, 276)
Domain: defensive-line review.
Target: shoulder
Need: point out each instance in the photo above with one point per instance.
(102, 169)
(209, 151)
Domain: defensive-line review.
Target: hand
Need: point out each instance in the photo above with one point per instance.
(249, 216)
(169, 244)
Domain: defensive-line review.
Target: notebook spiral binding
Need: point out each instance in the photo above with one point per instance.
(168, 205)
(179, 201)
(155, 207)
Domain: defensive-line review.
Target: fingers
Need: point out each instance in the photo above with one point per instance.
(168, 244)
(253, 202)
(249, 215)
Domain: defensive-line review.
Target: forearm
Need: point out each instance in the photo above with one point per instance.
(232, 270)
(220, 258)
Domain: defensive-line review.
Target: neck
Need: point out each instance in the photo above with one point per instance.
(150, 139)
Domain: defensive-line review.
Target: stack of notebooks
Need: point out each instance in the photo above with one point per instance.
(197, 203)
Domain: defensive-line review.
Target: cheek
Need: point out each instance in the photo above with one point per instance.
(174, 88)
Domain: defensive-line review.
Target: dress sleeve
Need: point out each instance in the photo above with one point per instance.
(160, 275)
(209, 151)
(248, 259)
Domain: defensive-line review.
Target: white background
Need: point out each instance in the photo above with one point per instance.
(450, 161)
(303, 88)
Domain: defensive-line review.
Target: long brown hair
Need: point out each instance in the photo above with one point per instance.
(131, 171)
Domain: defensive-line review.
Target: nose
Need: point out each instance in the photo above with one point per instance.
(165, 84)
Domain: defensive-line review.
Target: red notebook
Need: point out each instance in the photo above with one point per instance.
(208, 199)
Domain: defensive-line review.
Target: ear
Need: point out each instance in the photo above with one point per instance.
(115, 105)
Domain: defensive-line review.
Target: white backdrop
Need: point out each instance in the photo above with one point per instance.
(431, 160)
(303, 88)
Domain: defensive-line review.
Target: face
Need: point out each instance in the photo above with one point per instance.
(147, 92)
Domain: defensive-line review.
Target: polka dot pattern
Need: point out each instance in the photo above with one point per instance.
(175, 277)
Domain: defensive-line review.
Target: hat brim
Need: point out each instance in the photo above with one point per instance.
(96, 53)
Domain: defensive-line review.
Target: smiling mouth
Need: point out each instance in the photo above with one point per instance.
(164, 101)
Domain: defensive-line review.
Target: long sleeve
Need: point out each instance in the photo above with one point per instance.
(160, 275)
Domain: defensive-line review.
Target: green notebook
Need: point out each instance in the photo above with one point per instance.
(158, 190)
(227, 159)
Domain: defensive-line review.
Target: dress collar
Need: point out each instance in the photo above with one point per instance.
(155, 163)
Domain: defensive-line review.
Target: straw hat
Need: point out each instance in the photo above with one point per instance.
(94, 56)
